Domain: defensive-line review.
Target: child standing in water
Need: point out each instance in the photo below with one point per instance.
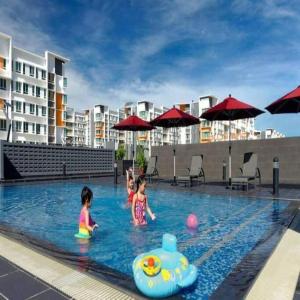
(130, 187)
(140, 204)
(86, 223)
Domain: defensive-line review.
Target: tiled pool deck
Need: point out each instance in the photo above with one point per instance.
(16, 283)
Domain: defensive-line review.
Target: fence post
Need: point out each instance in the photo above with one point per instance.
(224, 170)
(115, 173)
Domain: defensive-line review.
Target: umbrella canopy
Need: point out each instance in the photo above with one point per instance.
(174, 117)
(289, 103)
(231, 109)
(133, 123)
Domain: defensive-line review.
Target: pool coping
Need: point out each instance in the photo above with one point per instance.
(65, 279)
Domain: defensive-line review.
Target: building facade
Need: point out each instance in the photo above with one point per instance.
(76, 128)
(32, 95)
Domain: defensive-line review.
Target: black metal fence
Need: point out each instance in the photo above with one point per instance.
(25, 160)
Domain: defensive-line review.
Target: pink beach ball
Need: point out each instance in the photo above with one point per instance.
(192, 221)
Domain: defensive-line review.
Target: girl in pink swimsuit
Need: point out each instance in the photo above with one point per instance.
(140, 204)
(86, 223)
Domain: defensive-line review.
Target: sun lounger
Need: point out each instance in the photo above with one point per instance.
(249, 171)
(195, 171)
(151, 168)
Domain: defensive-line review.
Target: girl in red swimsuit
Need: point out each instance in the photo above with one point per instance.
(140, 204)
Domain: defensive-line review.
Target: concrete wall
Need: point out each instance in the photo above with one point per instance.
(287, 149)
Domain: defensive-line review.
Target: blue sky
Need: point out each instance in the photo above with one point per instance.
(167, 51)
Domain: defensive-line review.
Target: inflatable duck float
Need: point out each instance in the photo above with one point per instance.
(164, 271)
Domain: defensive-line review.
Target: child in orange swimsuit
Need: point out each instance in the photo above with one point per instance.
(130, 187)
(140, 204)
(86, 223)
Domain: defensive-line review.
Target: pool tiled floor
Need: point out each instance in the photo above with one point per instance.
(15, 284)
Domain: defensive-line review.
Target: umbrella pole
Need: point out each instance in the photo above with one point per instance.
(174, 160)
(229, 159)
(133, 155)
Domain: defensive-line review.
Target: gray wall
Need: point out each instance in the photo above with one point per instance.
(287, 149)
(22, 160)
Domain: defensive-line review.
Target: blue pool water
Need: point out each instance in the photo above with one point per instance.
(229, 227)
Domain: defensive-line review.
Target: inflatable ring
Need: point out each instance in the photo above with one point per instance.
(151, 265)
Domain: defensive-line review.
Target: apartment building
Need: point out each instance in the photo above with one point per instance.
(32, 95)
(76, 127)
(104, 119)
(269, 133)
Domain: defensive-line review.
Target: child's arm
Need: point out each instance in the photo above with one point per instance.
(132, 210)
(151, 214)
(89, 228)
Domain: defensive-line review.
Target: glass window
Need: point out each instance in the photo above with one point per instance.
(65, 99)
(31, 71)
(24, 68)
(2, 124)
(12, 85)
(43, 74)
(4, 63)
(18, 67)
(38, 91)
(45, 93)
(65, 82)
(33, 90)
(37, 110)
(18, 126)
(32, 109)
(38, 128)
(25, 88)
(18, 86)
(2, 84)
(24, 107)
(25, 126)
(44, 110)
(33, 128)
(18, 106)
(37, 73)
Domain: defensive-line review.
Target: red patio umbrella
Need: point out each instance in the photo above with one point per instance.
(231, 109)
(174, 118)
(133, 123)
(289, 103)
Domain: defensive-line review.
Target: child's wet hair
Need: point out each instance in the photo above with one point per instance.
(86, 195)
(139, 182)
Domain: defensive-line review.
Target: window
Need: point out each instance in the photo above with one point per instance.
(43, 74)
(18, 126)
(32, 109)
(31, 71)
(65, 100)
(33, 90)
(18, 106)
(2, 124)
(3, 63)
(38, 91)
(45, 93)
(18, 87)
(24, 107)
(38, 128)
(25, 127)
(12, 86)
(25, 88)
(65, 82)
(2, 84)
(37, 73)
(45, 129)
(37, 110)
(65, 115)
(44, 110)
(18, 67)
(24, 68)
(33, 128)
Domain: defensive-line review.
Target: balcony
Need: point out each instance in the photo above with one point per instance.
(51, 122)
(51, 104)
(51, 86)
(51, 77)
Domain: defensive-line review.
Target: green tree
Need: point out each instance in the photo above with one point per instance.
(120, 153)
(140, 157)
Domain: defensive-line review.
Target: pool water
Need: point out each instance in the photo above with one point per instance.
(229, 227)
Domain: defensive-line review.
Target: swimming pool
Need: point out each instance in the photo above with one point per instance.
(229, 226)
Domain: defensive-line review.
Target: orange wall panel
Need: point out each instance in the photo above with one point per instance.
(59, 101)
(1, 62)
(59, 119)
